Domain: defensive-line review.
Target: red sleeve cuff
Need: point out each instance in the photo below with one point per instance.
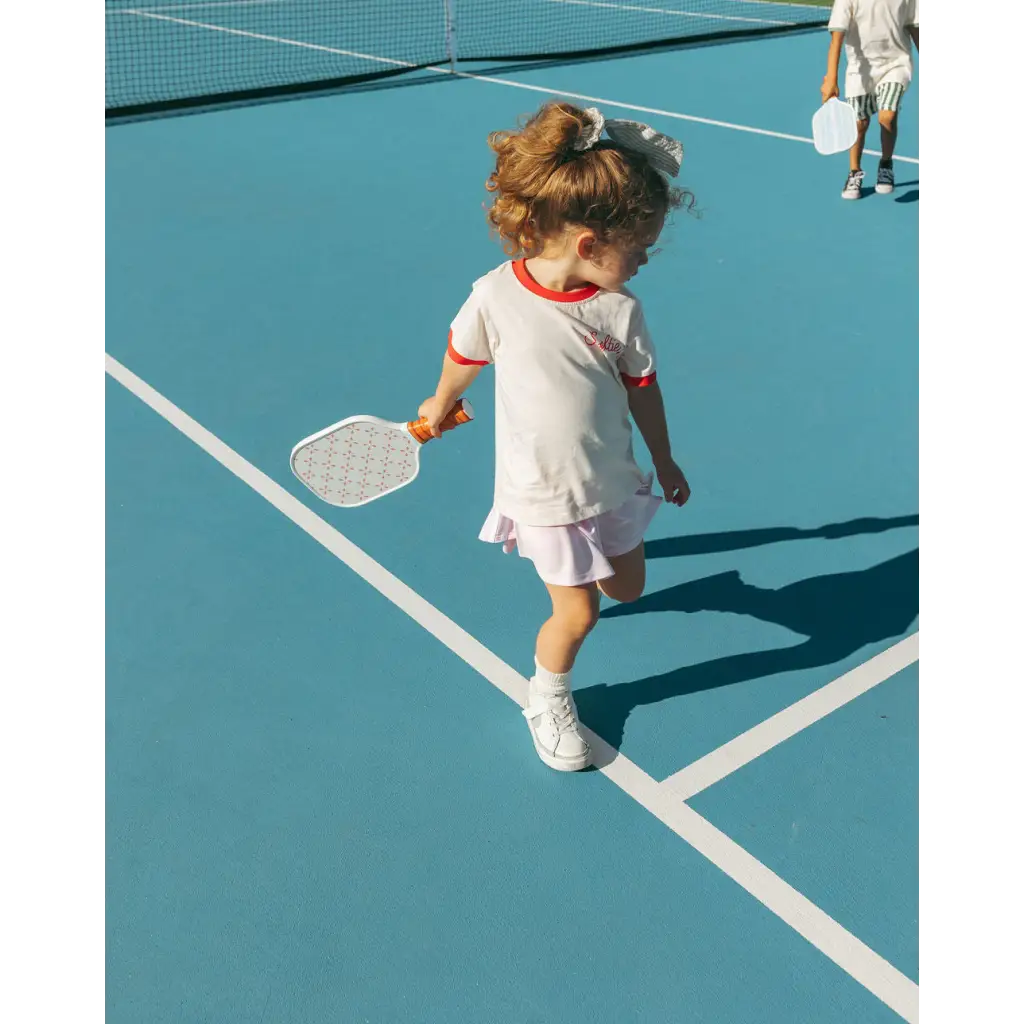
(462, 360)
(639, 382)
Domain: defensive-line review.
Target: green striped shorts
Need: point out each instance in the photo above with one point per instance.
(886, 97)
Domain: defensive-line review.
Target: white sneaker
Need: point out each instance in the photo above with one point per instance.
(556, 730)
(886, 180)
(851, 190)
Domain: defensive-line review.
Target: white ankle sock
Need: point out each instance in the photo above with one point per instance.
(551, 682)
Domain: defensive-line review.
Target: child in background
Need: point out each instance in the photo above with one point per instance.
(573, 360)
(879, 67)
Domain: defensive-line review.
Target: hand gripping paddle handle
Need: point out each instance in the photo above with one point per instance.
(461, 412)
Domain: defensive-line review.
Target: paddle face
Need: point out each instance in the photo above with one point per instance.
(363, 457)
(358, 461)
(834, 127)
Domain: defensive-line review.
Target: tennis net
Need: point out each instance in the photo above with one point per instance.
(163, 56)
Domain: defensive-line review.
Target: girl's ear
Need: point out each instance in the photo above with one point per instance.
(586, 242)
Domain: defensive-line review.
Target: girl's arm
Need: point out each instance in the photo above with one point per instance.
(648, 410)
(912, 29)
(455, 379)
(830, 86)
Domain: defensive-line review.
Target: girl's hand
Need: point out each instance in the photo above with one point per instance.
(435, 411)
(829, 88)
(673, 483)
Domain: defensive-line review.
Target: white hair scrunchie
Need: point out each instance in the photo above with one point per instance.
(664, 153)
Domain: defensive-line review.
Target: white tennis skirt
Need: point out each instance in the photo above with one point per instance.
(576, 554)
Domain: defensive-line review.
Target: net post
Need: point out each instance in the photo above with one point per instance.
(449, 35)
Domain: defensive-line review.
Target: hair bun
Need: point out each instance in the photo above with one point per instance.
(563, 129)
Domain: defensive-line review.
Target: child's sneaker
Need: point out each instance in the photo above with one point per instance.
(886, 180)
(851, 190)
(556, 730)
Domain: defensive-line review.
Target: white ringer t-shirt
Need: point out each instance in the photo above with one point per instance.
(878, 45)
(562, 363)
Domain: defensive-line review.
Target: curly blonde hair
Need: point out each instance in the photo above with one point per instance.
(543, 184)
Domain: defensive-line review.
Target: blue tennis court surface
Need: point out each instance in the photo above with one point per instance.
(318, 811)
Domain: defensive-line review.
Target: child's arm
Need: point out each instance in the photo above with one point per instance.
(830, 85)
(912, 29)
(455, 379)
(648, 411)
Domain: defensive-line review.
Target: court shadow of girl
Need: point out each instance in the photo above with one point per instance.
(838, 613)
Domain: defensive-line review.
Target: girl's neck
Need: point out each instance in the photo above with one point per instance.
(556, 274)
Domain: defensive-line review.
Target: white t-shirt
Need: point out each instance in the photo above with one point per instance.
(562, 363)
(878, 45)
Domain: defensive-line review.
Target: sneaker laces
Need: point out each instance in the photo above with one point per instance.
(855, 178)
(886, 175)
(558, 706)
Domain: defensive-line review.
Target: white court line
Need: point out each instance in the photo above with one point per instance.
(499, 81)
(193, 6)
(626, 7)
(783, 3)
(139, 13)
(654, 10)
(726, 759)
(655, 110)
(703, 16)
(863, 964)
(763, 3)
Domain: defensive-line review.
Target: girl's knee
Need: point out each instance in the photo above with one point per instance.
(863, 126)
(578, 620)
(887, 118)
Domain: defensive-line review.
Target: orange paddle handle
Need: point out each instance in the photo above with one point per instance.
(455, 418)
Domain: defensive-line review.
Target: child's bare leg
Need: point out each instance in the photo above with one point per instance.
(887, 120)
(857, 149)
(550, 709)
(574, 612)
(630, 576)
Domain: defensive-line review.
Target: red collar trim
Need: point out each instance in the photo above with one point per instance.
(525, 278)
